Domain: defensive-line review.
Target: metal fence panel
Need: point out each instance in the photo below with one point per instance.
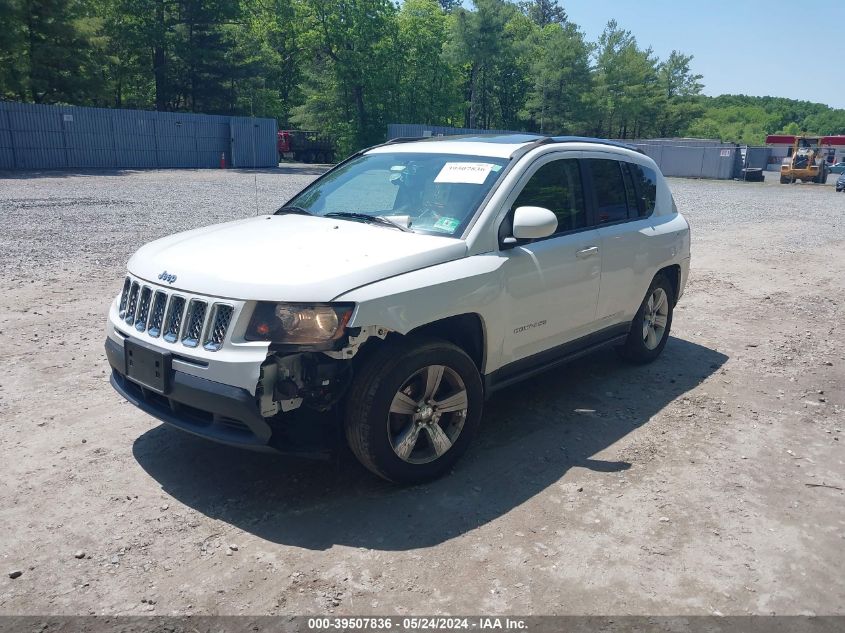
(757, 157)
(53, 137)
(247, 149)
(7, 154)
(684, 158)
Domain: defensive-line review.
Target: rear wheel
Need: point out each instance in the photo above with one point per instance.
(413, 409)
(652, 323)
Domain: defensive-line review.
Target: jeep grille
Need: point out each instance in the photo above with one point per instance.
(132, 303)
(193, 328)
(174, 318)
(143, 309)
(220, 318)
(157, 314)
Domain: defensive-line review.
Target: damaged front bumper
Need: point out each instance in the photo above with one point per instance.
(219, 412)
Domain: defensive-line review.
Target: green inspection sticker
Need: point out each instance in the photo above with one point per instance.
(447, 224)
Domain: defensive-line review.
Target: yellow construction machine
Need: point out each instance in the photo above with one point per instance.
(807, 162)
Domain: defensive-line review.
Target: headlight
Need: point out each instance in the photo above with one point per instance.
(298, 323)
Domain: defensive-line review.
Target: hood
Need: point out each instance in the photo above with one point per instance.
(288, 257)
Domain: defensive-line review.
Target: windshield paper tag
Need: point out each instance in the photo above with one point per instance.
(447, 224)
(465, 173)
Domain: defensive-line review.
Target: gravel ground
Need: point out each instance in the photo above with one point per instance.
(708, 482)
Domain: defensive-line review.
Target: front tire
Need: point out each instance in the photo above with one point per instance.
(652, 323)
(413, 409)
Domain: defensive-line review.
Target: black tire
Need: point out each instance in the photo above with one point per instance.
(320, 158)
(369, 421)
(636, 349)
(784, 180)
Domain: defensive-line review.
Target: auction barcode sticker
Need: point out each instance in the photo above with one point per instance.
(466, 173)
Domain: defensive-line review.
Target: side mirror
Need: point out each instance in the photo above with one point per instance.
(531, 223)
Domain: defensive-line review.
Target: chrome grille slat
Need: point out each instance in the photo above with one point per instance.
(132, 303)
(173, 321)
(194, 321)
(157, 314)
(143, 309)
(191, 321)
(124, 297)
(221, 316)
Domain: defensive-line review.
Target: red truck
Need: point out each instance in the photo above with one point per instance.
(305, 146)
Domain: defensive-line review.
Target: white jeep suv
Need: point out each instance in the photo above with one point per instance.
(401, 289)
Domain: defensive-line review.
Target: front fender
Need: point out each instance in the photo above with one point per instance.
(472, 285)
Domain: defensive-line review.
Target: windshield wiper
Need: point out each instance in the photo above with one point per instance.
(292, 210)
(372, 219)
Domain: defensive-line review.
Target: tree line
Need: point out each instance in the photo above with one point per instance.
(349, 67)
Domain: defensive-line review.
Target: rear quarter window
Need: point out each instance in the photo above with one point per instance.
(645, 181)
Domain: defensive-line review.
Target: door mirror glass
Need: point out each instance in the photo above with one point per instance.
(531, 223)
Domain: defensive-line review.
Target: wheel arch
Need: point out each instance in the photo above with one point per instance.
(466, 330)
(673, 273)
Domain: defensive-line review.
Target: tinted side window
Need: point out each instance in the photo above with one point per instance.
(611, 205)
(557, 186)
(646, 182)
(630, 191)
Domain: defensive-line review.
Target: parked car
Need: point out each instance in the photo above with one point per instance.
(837, 168)
(840, 183)
(402, 288)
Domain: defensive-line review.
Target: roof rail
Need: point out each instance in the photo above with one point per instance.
(545, 140)
(404, 139)
(598, 141)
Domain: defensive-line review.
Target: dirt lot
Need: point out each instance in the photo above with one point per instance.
(711, 481)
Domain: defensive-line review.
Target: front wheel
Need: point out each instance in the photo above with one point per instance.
(413, 409)
(650, 327)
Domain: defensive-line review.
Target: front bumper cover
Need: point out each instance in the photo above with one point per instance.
(215, 411)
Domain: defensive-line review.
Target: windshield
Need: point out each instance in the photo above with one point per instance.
(428, 193)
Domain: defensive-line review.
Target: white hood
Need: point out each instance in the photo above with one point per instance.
(288, 257)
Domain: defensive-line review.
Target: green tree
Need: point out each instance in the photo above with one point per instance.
(449, 5)
(49, 52)
(678, 106)
(483, 49)
(560, 76)
(627, 93)
(544, 12)
(427, 82)
(352, 86)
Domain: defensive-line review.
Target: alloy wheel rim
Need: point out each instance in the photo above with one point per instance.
(427, 414)
(655, 318)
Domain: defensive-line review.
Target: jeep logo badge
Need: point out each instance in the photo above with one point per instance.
(165, 276)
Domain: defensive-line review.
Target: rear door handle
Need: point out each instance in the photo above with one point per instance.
(587, 252)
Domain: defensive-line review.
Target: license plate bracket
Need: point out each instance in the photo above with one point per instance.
(147, 365)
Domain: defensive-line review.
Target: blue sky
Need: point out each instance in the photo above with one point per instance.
(740, 45)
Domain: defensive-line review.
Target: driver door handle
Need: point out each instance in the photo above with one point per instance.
(587, 252)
